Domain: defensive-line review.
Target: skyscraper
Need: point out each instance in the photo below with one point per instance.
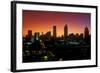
(65, 31)
(86, 33)
(36, 35)
(54, 31)
(30, 34)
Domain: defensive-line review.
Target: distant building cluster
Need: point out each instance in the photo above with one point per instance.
(47, 47)
(66, 36)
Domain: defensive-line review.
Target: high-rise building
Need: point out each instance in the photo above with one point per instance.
(86, 33)
(36, 35)
(30, 34)
(65, 31)
(54, 31)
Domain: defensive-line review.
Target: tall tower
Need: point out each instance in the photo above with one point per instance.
(86, 33)
(36, 35)
(54, 31)
(65, 31)
(30, 34)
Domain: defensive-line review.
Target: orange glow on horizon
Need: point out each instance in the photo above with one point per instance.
(60, 30)
(43, 21)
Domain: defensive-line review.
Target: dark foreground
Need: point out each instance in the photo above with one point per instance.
(55, 51)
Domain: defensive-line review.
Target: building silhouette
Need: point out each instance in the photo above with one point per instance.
(48, 34)
(76, 36)
(29, 35)
(46, 47)
(86, 33)
(87, 36)
(65, 31)
(54, 31)
(36, 35)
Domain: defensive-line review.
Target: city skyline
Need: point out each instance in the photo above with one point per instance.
(47, 47)
(32, 20)
(66, 35)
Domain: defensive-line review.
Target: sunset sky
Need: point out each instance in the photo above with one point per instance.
(43, 21)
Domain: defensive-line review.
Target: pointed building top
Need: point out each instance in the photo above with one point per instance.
(54, 24)
(86, 28)
(65, 24)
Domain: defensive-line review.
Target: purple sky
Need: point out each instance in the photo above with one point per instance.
(43, 21)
